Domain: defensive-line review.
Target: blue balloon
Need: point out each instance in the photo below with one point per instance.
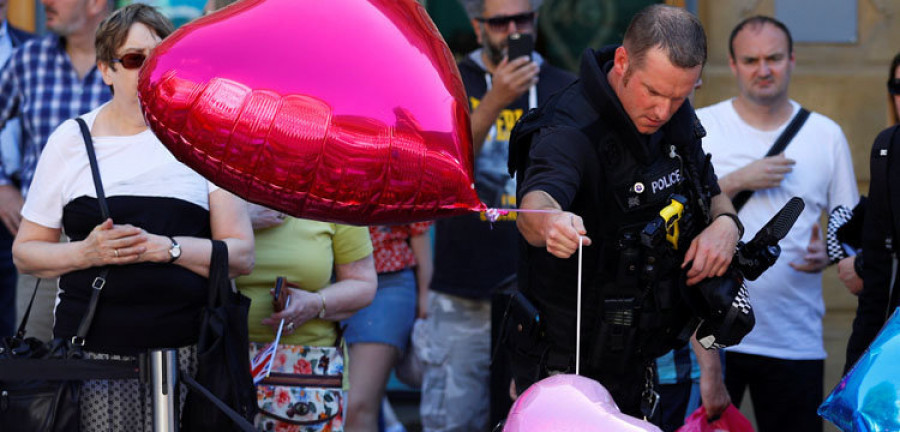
(868, 397)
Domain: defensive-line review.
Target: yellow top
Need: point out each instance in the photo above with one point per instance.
(305, 253)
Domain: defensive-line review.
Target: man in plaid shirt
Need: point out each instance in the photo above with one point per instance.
(46, 81)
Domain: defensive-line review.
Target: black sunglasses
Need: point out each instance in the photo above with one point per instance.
(501, 22)
(894, 86)
(131, 60)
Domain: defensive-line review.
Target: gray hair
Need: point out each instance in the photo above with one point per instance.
(475, 8)
(674, 30)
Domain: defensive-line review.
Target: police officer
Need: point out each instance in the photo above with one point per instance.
(604, 157)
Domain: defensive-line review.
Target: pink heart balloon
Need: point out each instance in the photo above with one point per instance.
(569, 403)
(347, 111)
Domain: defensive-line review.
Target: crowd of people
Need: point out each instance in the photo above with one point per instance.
(592, 159)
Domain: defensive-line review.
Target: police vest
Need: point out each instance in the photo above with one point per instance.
(635, 309)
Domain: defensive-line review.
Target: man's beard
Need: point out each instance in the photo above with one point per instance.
(494, 53)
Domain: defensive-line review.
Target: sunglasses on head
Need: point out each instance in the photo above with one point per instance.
(131, 60)
(893, 85)
(501, 22)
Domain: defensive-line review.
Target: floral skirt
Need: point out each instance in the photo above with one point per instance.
(304, 392)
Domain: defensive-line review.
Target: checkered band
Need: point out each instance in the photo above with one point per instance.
(838, 217)
(742, 300)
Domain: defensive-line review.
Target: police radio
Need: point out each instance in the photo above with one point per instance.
(725, 307)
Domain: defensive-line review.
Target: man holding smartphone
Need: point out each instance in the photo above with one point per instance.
(473, 260)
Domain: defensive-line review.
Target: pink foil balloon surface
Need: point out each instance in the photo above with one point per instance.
(570, 403)
(347, 111)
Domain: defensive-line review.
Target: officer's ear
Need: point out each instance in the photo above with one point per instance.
(621, 62)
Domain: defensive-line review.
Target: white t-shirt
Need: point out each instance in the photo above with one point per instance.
(787, 303)
(137, 165)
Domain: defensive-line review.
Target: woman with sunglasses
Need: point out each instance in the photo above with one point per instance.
(894, 92)
(155, 245)
(881, 222)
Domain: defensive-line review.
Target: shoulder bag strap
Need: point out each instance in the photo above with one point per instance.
(219, 283)
(100, 281)
(20, 333)
(780, 144)
(239, 421)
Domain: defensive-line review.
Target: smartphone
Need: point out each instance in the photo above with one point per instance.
(279, 295)
(519, 45)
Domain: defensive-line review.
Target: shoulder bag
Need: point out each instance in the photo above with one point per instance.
(40, 382)
(303, 391)
(223, 378)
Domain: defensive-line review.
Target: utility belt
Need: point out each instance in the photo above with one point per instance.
(621, 334)
(534, 357)
(634, 312)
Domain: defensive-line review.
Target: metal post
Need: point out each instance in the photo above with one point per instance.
(164, 377)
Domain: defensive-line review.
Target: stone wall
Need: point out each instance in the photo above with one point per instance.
(845, 82)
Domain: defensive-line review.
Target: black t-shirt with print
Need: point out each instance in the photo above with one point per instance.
(472, 256)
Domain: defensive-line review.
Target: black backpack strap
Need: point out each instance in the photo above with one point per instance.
(780, 144)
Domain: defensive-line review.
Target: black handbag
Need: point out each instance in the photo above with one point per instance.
(223, 369)
(40, 382)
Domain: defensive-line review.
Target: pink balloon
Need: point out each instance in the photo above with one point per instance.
(569, 403)
(347, 111)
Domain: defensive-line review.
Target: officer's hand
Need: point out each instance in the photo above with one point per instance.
(10, 208)
(847, 274)
(816, 258)
(563, 234)
(711, 252)
(512, 78)
(764, 173)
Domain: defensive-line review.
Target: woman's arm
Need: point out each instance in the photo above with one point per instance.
(229, 222)
(37, 250)
(421, 248)
(353, 290)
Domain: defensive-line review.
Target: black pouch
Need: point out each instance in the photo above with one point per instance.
(522, 339)
(614, 341)
(522, 329)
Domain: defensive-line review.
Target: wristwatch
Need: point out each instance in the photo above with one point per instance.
(174, 250)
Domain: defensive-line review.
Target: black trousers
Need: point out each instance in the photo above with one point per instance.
(785, 393)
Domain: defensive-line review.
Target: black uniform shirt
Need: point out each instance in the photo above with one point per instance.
(566, 163)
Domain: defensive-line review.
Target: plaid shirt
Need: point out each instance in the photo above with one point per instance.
(40, 85)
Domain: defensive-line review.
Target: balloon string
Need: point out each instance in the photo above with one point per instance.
(494, 214)
(578, 311)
